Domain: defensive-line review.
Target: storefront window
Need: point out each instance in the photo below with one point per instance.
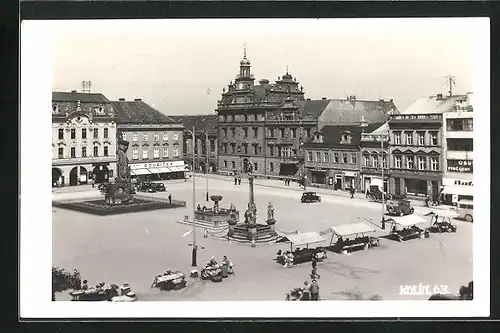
(135, 154)
(416, 187)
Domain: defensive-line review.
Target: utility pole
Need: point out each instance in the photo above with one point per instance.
(193, 258)
(207, 151)
(450, 82)
(382, 169)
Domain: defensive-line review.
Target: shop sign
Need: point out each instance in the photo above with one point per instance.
(460, 166)
(350, 173)
(457, 182)
(156, 165)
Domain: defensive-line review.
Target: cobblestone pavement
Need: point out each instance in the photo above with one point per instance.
(135, 247)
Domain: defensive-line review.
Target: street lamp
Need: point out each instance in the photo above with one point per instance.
(207, 150)
(193, 256)
(382, 137)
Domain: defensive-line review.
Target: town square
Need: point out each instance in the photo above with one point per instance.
(205, 165)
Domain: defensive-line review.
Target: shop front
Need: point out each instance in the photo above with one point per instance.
(349, 180)
(318, 176)
(415, 185)
(158, 170)
(456, 189)
(371, 179)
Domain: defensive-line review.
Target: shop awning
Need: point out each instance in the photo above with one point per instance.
(352, 229)
(176, 168)
(459, 190)
(305, 238)
(154, 170)
(288, 169)
(164, 170)
(141, 172)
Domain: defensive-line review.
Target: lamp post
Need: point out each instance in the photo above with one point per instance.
(382, 137)
(193, 256)
(207, 150)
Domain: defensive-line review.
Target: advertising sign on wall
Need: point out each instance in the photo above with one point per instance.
(464, 166)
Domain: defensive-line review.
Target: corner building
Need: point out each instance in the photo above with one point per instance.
(261, 127)
(83, 138)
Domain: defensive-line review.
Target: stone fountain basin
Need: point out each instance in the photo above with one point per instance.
(216, 197)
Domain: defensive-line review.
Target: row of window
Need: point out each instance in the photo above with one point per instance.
(233, 165)
(156, 153)
(337, 157)
(271, 132)
(242, 118)
(408, 137)
(373, 161)
(255, 149)
(415, 162)
(60, 152)
(83, 132)
(145, 136)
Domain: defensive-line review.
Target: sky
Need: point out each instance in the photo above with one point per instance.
(181, 66)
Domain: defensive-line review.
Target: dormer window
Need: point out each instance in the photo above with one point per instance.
(346, 137)
(55, 108)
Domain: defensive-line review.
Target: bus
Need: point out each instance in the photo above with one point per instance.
(465, 210)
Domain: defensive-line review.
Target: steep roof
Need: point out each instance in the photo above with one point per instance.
(205, 122)
(138, 112)
(62, 96)
(433, 105)
(313, 107)
(349, 111)
(332, 135)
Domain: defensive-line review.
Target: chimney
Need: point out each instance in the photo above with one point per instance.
(323, 97)
(381, 100)
(137, 100)
(308, 99)
(121, 99)
(439, 97)
(73, 91)
(391, 100)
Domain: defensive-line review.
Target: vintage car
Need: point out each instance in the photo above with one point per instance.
(170, 280)
(101, 292)
(405, 228)
(375, 194)
(399, 207)
(158, 187)
(146, 187)
(310, 197)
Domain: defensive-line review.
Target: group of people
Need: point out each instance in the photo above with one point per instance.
(237, 180)
(287, 181)
(286, 258)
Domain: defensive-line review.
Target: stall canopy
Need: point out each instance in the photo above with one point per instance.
(352, 229)
(305, 238)
(407, 220)
(141, 172)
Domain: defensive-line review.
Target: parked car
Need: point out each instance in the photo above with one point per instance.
(159, 187)
(145, 187)
(310, 197)
(375, 194)
(399, 207)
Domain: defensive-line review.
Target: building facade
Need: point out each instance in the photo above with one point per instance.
(417, 146)
(156, 141)
(374, 149)
(333, 156)
(206, 142)
(260, 127)
(83, 138)
(458, 151)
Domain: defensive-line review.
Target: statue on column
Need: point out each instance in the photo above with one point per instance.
(121, 190)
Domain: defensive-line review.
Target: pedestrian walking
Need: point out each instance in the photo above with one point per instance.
(314, 289)
(306, 294)
(239, 180)
(352, 192)
(314, 263)
(235, 181)
(170, 198)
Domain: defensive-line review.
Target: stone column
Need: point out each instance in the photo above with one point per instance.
(250, 187)
(402, 184)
